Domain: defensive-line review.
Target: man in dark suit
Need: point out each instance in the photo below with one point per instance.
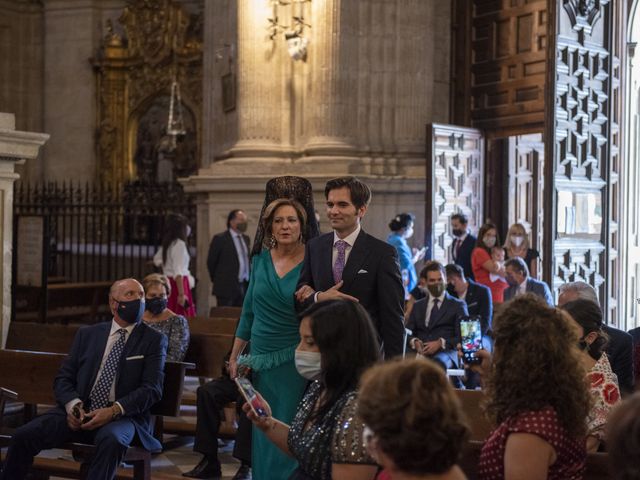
(517, 275)
(476, 296)
(228, 261)
(105, 389)
(435, 320)
(349, 263)
(463, 244)
(620, 346)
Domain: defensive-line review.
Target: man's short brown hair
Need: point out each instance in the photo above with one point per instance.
(432, 266)
(360, 191)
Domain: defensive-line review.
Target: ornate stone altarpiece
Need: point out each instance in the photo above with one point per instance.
(134, 72)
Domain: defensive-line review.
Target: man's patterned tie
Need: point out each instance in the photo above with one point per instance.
(338, 267)
(99, 396)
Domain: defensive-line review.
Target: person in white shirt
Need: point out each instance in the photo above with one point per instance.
(173, 258)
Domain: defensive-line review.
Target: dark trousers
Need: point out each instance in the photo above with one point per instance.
(212, 397)
(51, 430)
(234, 300)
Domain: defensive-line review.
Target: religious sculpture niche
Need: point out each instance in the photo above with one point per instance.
(154, 43)
(160, 157)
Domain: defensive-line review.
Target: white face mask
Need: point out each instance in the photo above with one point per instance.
(308, 364)
(408, 233)
(489, 241)
(517, 240)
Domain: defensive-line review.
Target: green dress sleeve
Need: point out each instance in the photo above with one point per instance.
(246, 317)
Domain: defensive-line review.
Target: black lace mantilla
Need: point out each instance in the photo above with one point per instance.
(297, 188)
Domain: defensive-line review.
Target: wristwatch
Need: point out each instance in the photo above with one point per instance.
(444, 343)
(116, 413)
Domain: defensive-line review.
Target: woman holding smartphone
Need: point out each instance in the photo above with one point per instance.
(338, 343)
(268, 317)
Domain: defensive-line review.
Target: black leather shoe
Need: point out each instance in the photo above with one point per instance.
(205, 469)
(243, 473)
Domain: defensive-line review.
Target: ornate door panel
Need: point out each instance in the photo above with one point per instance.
(455, 183)
(581, 171)
(526, 184)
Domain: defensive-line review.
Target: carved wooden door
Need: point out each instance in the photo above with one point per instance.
(526, 185)
(582, 142)
(455, 183)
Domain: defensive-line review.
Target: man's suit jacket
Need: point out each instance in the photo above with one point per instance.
(445, 325)
(223, 264)
(371, 275)
(478, 301)
(620, 353)
(533, 286)
(138, 380)
(464, 255)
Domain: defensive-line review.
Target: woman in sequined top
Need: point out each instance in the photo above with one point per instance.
(159, 317)
(603, 383)
(415, 425)
(338, 342)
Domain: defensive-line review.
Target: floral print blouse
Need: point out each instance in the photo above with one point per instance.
(605, 393)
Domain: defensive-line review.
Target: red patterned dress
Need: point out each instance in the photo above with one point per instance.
(605, 394)
(571, 453)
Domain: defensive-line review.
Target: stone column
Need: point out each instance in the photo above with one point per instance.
(376, 74)
(15, 148)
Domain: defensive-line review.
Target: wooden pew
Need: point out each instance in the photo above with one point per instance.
(225, 312)
(85, 302)
(41, 337)
(30, 375)
(471, 402)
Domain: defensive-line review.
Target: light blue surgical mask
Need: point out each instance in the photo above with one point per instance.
(308, 364)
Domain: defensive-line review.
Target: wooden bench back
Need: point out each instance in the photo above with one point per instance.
(225, 312)
(471, 402)
(207, 352)
(30, 374)
(225, 325)
(39, 337)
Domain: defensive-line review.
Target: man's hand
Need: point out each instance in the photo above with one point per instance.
(335, 293)
(303, 293)
(74, 422)
(98, 417)
(431, 348)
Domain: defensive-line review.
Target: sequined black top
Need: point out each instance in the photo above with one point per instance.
(335, 438)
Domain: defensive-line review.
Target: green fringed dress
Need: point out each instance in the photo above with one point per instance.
(269, 321)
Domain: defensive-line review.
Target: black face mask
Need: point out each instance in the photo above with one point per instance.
(131, 311)
(156, 305)
(457, 232)
(241, 227)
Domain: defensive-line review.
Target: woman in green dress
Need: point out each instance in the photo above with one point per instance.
(269, 321)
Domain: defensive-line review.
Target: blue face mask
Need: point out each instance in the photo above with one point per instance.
(156, 305)
(131, 311)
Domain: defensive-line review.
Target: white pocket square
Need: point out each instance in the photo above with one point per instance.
(362, 271)
(135, 357)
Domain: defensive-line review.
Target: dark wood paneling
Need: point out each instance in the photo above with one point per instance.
(584, 72)
(460, 99)
(455, 183)
(508, 53)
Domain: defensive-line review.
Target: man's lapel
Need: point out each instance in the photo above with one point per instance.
(357, 256)
(439, 313)
(99, 345)
(132, 342)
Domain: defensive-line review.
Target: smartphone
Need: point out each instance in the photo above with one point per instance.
(471, 340)
(250, 395)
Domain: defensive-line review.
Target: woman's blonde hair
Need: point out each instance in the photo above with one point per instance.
(517, 229)
(270, 212)
(156, 279)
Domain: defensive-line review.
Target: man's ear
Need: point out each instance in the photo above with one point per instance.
(592, 337)
(361, 211)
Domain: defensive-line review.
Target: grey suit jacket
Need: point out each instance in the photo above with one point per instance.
(533, 286)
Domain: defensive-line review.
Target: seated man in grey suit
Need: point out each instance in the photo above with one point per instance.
(434, 320)
(520, 282)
